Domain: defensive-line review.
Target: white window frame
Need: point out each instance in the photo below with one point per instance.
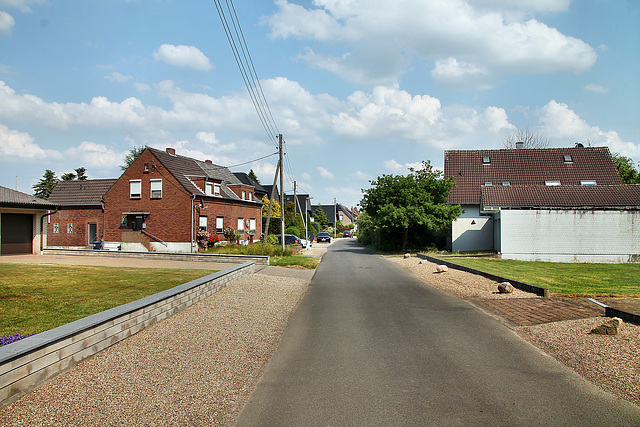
(240, 224)
(252, 225)
(219, 224)
(244, 194)
(208, 187)
(250, 196)
(135, 184)
(156, 188)
(70, 228)
(203, 223)
(217, 188)
(552, 183)
(56, 228)
(588, 182)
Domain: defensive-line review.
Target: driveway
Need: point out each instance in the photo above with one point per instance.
(371, 345)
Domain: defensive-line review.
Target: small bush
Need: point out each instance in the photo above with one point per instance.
(292, 230)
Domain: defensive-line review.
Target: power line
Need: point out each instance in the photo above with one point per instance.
(254, 160)
(244, 62)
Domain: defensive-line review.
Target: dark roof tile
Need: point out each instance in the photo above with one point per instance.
(81, 193)
(15, 199)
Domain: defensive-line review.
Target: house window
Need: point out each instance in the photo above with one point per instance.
(208, 187)
(156, 188)
(146, 168)
(203, 223)
(567, 158)
(135, 189)
(56, 227)
(251, 196)
(244, 194)
(252, 225)
(70, 228)
(486, 160)
(216, 189)
(240, 224)
(506, 183)
(123, 221)
(488, 183)
(587, 182)
(219, 224)
(552, 183)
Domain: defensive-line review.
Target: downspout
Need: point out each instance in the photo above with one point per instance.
(42, 229)
(103, 219)
(192, 208)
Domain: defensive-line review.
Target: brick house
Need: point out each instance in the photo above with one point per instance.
(159, 203)
(543, 204)
(80, 220)
(22, 222)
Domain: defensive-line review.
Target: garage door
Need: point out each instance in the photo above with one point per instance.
(17, 234)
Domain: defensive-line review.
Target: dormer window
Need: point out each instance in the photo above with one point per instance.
(506, 184)
(552, 183)
(587, 182)
(208, 187)
(216, 189)
(486, 160)
(567, 158)
(244, 194)
(488, 184)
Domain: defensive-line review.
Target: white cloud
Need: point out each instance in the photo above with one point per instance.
(6, 23)
(142, 87)
(20, 145)
(21, 5)
(592, 87)
(94, 156)
(392, 165)
(324, 173)
(305, 176)
(565, 127)
(452, 74)
(118, 77)
(483, 37)
(183, 56)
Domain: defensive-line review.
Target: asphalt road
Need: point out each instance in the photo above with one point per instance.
(371, 345)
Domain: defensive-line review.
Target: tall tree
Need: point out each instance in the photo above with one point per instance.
(45, 186)
(69, 176)
(253, 176)
(81, 174)
(132, 156)
(627, 169)
(415, 203)
(320, 217)
(275, 211)
(530, 139)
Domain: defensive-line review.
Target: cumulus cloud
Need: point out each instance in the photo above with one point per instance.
(324, 173)
(94, 156)
(592, 87)
(565, 127)
(392, 165)
(20, 145)
(118, 77)
(6, 23)
(183, 56)
(474, 39)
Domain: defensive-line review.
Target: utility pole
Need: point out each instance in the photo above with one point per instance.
(302, 214)
(281, 152)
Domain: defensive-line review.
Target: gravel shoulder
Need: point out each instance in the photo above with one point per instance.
(610, 362)
(197, 367)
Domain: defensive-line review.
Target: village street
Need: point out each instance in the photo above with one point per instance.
(371, 345)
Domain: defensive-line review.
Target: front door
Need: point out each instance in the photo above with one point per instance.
(93, 232)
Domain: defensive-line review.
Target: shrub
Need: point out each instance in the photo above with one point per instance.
(292, 230)
(272, 239)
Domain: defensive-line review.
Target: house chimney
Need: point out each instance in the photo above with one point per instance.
(519, 144)
(171, 151)
(208, 162)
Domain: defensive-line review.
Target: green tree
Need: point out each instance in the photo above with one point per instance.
(275, 211)
(81, 174)
(45, 186)
(132, 156)
(416, 204)
(320, 217)
(291, 218)
(253, 176)
(627, 169)
(69, 176)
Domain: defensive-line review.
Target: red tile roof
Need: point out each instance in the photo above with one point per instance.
(563, 196)
(525, 167)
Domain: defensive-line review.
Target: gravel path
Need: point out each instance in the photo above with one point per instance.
(610, 362)
(196, 368)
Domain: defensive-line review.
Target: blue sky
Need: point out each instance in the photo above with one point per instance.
(358, 88)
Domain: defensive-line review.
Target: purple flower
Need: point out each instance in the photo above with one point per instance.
(8, 339)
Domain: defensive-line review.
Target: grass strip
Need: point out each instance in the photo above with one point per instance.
(38, 297)
(565, 279)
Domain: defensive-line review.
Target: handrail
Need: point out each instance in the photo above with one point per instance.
(145, 232)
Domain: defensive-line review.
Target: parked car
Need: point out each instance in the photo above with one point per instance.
(347, 233)
(323, 237)
(289, 239)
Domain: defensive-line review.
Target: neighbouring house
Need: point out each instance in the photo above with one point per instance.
(80, 221)
(22, 216)
(304, 202)
(336, 213)
(259, 191)
(556, 204)
(163, 200)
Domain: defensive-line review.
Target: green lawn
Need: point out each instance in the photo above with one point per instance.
(35, 298)
(567, 279)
